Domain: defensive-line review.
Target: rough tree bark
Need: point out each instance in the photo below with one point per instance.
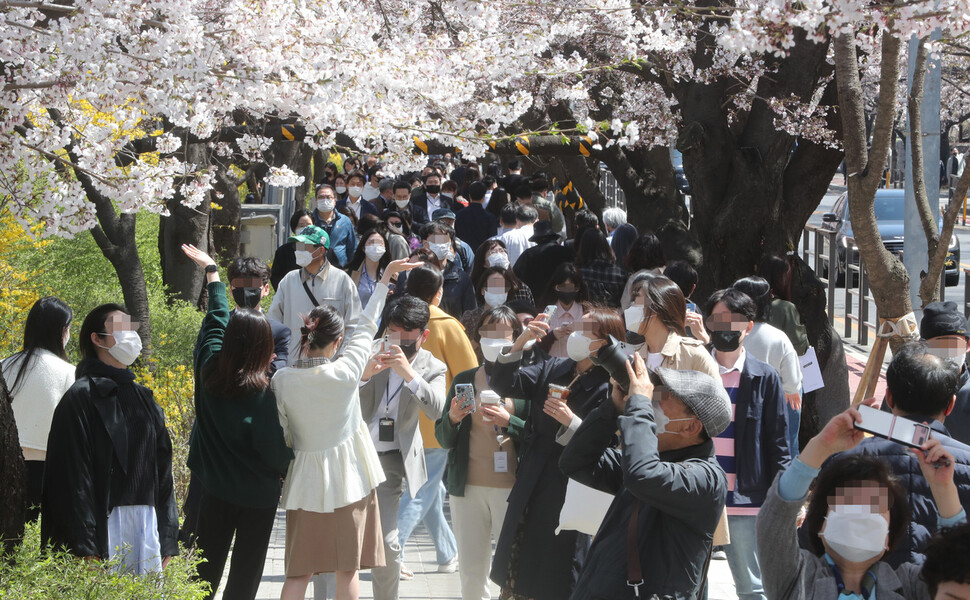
(184, 225)
(888, 278)
(226, 229)
(937, 242)
(12, 473)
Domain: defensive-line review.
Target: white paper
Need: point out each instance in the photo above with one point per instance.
(583, 509)
(811, 372)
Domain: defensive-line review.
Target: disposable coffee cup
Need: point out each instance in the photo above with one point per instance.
(559, 392)
(488, 397)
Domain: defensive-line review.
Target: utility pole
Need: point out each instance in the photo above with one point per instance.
(916, 255)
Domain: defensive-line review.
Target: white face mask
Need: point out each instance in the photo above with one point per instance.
(374, 252)
(577, 346)
(326, 205)
(341, 189)
(956, 356)
(440, 250)
(127, 347)
(303, 257)
(494, 299)
(855, 533)
(633, 317)
(354, 191)
(492, 347)
(402, 203)
(370, 192)
(498, 259)
(661, 419)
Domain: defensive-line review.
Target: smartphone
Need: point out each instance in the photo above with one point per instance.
(385, 343)
(888, 426)
(691, 307)
(465, 392)
(548, 311)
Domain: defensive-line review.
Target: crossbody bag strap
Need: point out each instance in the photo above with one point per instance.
(310, 294)
(634, 571)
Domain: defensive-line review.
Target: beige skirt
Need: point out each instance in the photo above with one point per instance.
(348, 539)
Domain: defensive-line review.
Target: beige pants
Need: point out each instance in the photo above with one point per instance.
(477, 517)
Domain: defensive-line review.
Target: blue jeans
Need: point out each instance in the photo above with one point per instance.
(428, 506)
(742, 558)
(794, 424)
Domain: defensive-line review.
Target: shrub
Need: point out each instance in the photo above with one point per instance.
(35, 573)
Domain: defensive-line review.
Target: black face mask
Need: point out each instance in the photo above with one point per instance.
(247, 297)
(409, 350)
(726, 341)
(432, 189)
(566, 297)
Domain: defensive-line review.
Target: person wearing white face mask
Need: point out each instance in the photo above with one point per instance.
(920, 387)
(490, 273)
(355, 202)
(944, 328)
(656, 537)
(858, 510)
(531, 560)
(90, 505)
(482, 440)
(317, 282)
(369, 263)
(459, 293)
(339, 227)
(37, 378)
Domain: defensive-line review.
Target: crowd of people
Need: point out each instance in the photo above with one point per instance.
(437, 338)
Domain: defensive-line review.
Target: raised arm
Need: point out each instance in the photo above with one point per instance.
(217, 317)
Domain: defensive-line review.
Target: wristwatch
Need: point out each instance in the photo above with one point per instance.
(212, 268)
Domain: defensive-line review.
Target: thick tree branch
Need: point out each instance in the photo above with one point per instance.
(915, 104)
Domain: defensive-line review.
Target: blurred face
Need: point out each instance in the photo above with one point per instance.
(951, 590)
(949, 347)
(680, 419)
(116, 322)
(405, 337)
(329, 174)
(433, 180)
(340, 181)
(395, 224)
(305, 221)
(852, 507)
(499, 330)
(722, 319)
(496, 283)
(374, 241)
(355, 181)
(402, 195)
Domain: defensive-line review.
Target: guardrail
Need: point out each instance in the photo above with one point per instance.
(859, 313)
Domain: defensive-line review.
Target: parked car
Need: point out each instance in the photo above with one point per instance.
(890, 211)
(680, 179)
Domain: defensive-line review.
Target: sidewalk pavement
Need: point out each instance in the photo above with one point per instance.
(428, 583)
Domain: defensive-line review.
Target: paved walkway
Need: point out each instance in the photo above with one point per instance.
(428, 583)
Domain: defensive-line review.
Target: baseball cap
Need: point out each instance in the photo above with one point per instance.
(313, 235)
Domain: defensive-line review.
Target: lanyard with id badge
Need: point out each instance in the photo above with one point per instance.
(385, 427)
(500, 457)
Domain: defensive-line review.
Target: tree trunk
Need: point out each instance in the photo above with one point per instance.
(226, 224)
(888, 279)
(121, 251)
(13, 473)
(184, 225)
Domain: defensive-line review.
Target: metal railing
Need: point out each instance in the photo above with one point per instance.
(611, 189)
(860, 316)
(815, 257)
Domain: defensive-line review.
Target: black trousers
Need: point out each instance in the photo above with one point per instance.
(218, 520)
(35, 488)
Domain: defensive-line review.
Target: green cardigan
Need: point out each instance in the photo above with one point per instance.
(237, 448)
(456, 438)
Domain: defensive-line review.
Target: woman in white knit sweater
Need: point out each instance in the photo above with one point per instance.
(332, 518)
(37, 377)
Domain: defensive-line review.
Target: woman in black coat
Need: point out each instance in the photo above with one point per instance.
(531, 561)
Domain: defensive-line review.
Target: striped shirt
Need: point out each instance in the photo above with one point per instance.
(737, 505)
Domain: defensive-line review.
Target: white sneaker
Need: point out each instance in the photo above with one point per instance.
(449, 567)
(406, 573)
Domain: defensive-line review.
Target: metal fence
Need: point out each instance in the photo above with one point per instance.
(859, 314)
(611, 189)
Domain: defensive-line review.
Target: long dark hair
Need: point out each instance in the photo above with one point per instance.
(94, 323)
(358, 260)
(777, 272)
(593, 246)
(44, 330)
(242, 364)
(665, 299)
(563, 272)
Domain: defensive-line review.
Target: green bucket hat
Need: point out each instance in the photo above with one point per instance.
(313, 235)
